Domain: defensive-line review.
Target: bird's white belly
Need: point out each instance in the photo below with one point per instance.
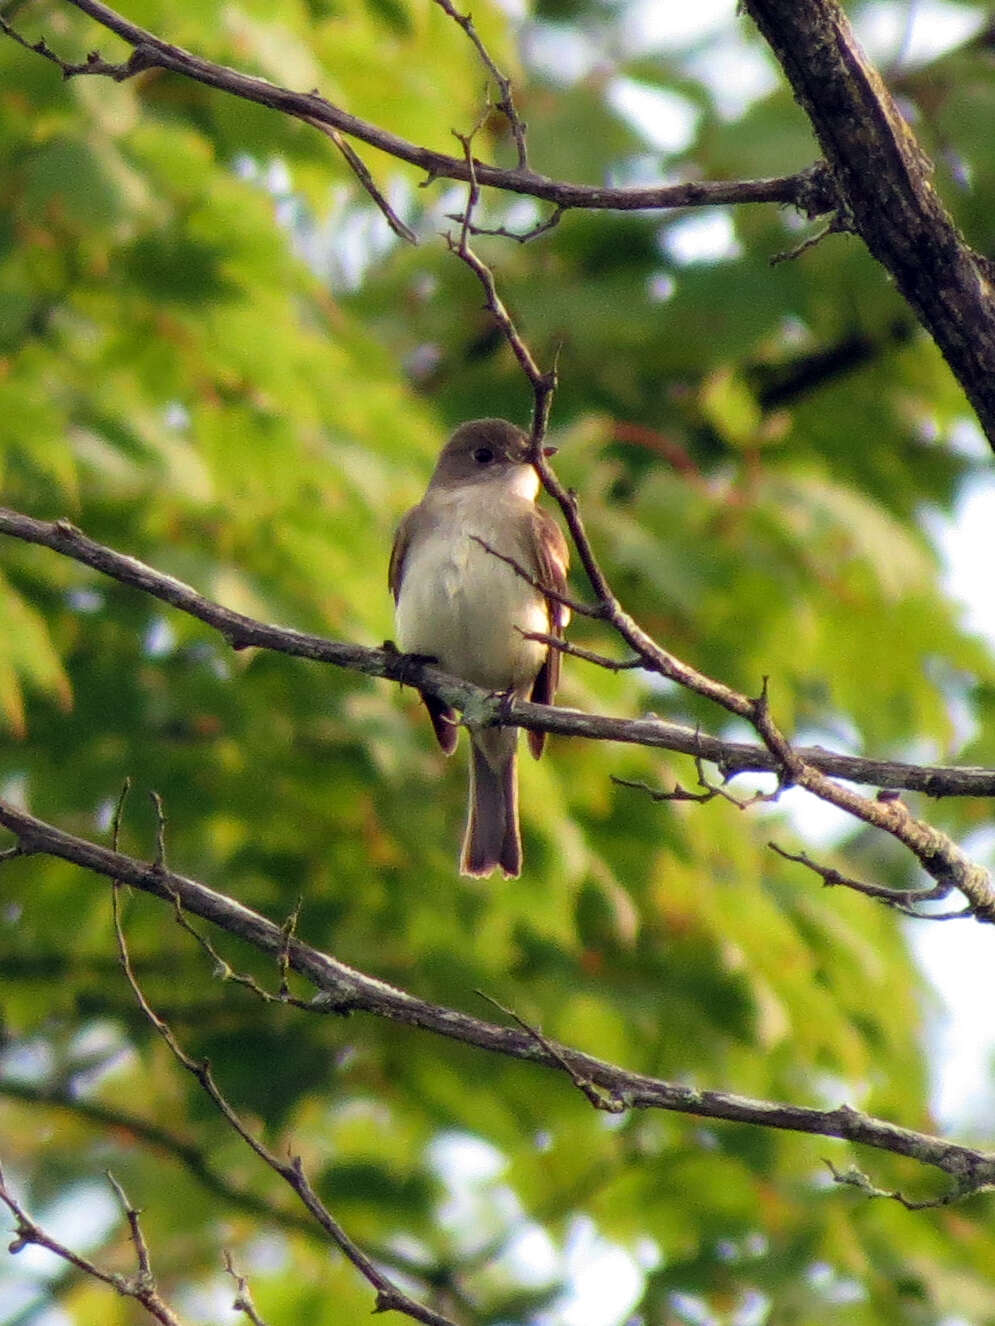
(462, 605)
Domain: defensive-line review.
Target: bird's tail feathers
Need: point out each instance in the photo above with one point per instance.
(492, 836)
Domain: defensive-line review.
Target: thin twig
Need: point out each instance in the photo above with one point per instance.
(243, 1298)
(359, 168)
(160, 830)
(903, 900)
(505, 102)
(576, 651)
(141, 1287)
(224, 971)
(709, 793)
(582, 609)
(543, 384)
(609, 1102)
(388, 1295)
(118, 813)
(519, 236)
(834, 227)
(133, 1217)
(852, 1177)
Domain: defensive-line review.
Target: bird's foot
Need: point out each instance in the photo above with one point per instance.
(407, 663)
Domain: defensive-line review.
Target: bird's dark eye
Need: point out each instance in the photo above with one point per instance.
(483, 455)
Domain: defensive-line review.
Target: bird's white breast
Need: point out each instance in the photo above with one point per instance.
(461, 604)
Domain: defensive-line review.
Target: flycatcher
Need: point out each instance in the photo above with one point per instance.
(459, 604)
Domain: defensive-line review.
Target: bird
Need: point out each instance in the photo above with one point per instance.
(468, 610)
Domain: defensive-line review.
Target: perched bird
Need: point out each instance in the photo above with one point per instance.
(465, 608)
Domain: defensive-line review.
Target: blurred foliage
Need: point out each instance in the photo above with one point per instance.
(215, 357)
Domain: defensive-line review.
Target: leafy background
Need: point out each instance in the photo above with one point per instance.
(214, 356)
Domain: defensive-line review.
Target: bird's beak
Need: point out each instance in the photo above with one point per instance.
(550, 451)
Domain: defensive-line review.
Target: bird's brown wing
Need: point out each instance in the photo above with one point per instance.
(444, 722)
(401, 540)
(552, 557)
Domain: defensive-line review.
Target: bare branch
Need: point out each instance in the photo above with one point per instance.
(607, 1102)
(582, 609)
(160, 831)
(884, 187)
(678, 793)
(133, 1217)
(243, 1298)
(519, 236)
(543, 384)
(389, 1297)
(242, 632)
(834, 227)
(141, 1287)
(856, 1178)
(194, 1160)
(588, 655)
(907, 901)
(806, 189)
(709, 791)
(505, 103)
(342, 989)
(359, 168)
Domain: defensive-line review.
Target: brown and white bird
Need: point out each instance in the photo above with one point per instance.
(460, 605)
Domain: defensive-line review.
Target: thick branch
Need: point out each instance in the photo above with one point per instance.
(732, 757)
(343, 989)
(883, 178)
(805, 190)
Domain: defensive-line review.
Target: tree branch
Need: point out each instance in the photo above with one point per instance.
(342, 989)
(882, 178)
(194, 1159)
(389, 1296)
(141, 1286)
(805, 190)
(506, 100)
(242, 632)
(243, 1296)
(937, 854)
